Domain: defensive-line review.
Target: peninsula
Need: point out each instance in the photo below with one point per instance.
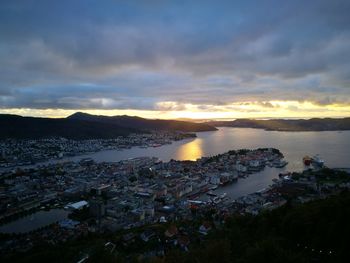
(314, 124)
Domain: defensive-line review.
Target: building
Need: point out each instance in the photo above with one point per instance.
(77, 206)
(97, 208)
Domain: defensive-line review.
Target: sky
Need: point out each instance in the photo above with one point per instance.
(175, 59)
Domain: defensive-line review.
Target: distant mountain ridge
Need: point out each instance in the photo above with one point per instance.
(85, 126)
(314, 124)
(144, 124)
(18, 127)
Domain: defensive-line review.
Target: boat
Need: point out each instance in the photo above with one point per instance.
(284, 174)
(317, 161)
(211, 193)
(214, 187)
(223, 195)
(194, 195)
(224, 180)
(143, 146)
(216, 200)
(307, 160)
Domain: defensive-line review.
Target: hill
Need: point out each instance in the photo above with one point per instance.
(85, 126)
(18, 127)
(316, 231)
(144, 124)
(315, 124)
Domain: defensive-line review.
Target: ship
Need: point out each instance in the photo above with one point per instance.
(213, 187)
(223, 195)
(317, 161)
(284, 174)
(307, 160)
(216, 200)
(143, 146)
(211, 193)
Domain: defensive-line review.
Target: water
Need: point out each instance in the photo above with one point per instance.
(34, 221)
(332, 146)
(251, 184)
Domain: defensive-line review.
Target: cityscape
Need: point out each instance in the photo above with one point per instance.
(158, 131)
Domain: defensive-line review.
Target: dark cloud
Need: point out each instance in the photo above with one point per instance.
(135, 54)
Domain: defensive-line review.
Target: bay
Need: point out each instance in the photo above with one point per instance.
(332, 146)
(34, 221)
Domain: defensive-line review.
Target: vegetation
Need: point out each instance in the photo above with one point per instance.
(315, 124)
(313, 232)
(18, 127)
(317, 231)
(144, 124)
(85, 126)
(325, 175)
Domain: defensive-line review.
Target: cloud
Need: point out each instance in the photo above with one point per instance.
(145, 54)
(170, 106)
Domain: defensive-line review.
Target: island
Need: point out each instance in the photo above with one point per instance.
(314, 124)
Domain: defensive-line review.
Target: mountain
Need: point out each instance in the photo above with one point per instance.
(85, 126)
(14, 126)
(144, 124)
(315, 124)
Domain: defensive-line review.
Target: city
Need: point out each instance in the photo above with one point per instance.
(27, 152)
(143, 192)
(157, 131)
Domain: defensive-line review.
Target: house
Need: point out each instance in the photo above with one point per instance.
(77, 206)
(171, 231)
(109, 246)
(147, 235)
(183, 241)
(128, 239)
(241, 168)
(162, 219)
(214, 179)
(205, 228)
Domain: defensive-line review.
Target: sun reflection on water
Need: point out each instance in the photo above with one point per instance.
(190, 151)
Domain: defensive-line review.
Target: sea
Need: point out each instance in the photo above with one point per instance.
(332, 146)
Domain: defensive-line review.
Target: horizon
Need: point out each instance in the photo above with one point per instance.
(156, 130)
(166, 60)
(198, 120)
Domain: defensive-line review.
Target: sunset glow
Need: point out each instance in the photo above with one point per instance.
(271, 109)
(158, 59)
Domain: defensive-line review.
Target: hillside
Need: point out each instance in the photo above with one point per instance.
(315, 124)
(316, 231)
(84, 126)
(144, 124)
(13, 126)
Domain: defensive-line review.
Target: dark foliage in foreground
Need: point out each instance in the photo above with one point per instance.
(318, 231)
